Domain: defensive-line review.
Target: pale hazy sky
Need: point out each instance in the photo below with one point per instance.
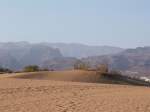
(124, 23)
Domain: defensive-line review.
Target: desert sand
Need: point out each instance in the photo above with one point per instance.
(28, 93)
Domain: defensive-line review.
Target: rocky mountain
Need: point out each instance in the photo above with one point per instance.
(8, 61)
(17, 55)
(57, 56)
(82, 51)
(37, 54)
(62, 63)
(136, 60)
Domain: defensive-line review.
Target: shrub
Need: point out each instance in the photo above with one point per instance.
(102, 68)
(81, 65)
(5, 70)
(31, 68)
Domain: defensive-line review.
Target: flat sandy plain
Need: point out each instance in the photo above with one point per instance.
(31, 94)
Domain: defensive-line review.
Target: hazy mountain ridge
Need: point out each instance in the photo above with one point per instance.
(137, 60)
(81, 51)
(62, 63)
(16, 55)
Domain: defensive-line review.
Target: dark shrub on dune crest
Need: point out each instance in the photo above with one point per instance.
(5, 70)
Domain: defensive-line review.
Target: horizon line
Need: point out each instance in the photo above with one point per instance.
(75, 43)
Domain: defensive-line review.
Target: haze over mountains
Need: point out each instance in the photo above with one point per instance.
(80, 50)
(58, 56)
(63, 56)
(18, 55)
(136, 60)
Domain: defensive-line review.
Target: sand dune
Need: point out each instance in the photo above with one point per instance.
(73, 75)
(28, 93)
(77, 76)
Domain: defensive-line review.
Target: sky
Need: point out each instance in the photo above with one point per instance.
(122, 23)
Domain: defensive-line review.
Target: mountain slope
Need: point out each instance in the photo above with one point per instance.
(136, 60)
(81, 50)
(17, 55)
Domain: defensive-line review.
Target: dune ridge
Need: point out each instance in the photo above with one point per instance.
(70, 75)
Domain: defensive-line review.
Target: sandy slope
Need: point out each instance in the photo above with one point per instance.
(72, 75)
(28, 95)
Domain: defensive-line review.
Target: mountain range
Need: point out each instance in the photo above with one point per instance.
(59, 56)
(135, 60)
(81, 51)
(16, 55)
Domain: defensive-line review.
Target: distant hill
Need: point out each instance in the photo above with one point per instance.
(82, 51)
(57, 56)
(17, 55)
(63, 56)
(62, 63)
(137, 60)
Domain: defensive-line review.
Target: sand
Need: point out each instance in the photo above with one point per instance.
(35, 95)
(71, 75)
